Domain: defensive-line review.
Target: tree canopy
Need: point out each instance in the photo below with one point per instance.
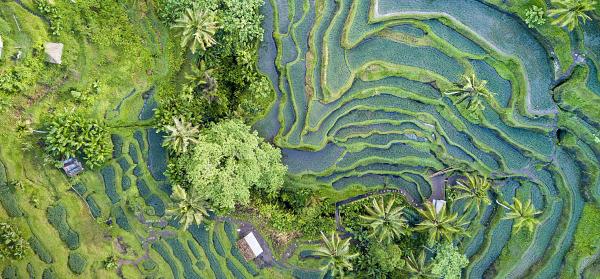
(448, 262)
(12, 244)
(228, 160)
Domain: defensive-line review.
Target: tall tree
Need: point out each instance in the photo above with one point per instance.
(441, 225)
(180, 135)
(227, 162)
(188, 208)
(474, 189)
(337, 253)
(523, 214)
(197, 28)
(417, 266)
(569, 12)
(471, 90)
(385, 220)
(448, 262)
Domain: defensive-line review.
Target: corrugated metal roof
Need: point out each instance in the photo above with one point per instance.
(253, 243)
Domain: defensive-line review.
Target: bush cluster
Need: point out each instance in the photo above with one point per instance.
(12, 244)
(40, 250)
(76, 262)
(57, 217)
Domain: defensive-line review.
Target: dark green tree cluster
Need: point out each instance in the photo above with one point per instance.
(72, 135)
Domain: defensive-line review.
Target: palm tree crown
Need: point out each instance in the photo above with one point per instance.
(188, 209)
(181, 134)
(523, 214)
(417, 266)
(197, 28)
(200, 76)
(569, 12)
(440, 225)
(474, 189)
(471, 90)
(337, 252)
(386, 221)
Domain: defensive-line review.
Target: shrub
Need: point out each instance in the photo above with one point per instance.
(94, 208)
(133, 153)
(8, 201)
(148, 264)
(117, 144)
(52, 14)
(57, 217)
(80, 189)
(12, 244)
(535, 16)
(170, 10)
(39, 249)
(121, 219)
(110, 187)
(10, 272)
(48, 273)
(125, 183)
(71, 135)
(76, 262)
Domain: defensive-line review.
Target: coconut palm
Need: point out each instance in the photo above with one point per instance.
(201, 77)
(471, 90)
(337, 253)
(417, 267)
(522, 214)
(474, 189)
(197, 28)
(385, 220)
(569, 12)
(180, 135)
(188, 208)
(441, 225)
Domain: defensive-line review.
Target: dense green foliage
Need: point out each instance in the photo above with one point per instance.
(76, 262)
(448, 262)
(245, 162)
(568, 13)
(523, 214)
(385, 220)
(535, 16)
(71, 135)
(440, 225)
(337, 253)
(12, 244)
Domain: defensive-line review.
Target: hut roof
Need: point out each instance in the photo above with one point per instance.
(72, 167)
(249, 246)
(54, 52)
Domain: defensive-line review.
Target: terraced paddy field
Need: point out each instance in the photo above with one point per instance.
(361, 106)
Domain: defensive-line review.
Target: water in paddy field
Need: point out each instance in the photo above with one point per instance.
(359, 105)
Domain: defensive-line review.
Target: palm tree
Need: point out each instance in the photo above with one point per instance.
(472, 91)
(197, 28)
(188, 209)
(181, 134)
(569, 12)
(201, 77)
(385, 220)
(417, 266)
(474, 189)
(440, 225)
(523, 214)
(337, 253)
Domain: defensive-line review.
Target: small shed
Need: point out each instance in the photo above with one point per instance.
(438, 204)
(72, 167)
(53, 52)
(249, 247)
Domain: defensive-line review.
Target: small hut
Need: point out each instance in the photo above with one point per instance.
(72, 167)
(53, 52)
(249, 247)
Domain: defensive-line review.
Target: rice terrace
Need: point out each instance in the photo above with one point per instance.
(299, 139)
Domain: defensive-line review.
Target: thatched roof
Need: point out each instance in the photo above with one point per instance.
(54, 52)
